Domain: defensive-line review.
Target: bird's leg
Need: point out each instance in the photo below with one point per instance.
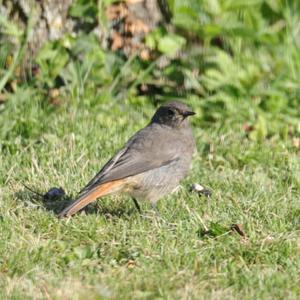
(154, 207)
(136, 205)
(157, 213)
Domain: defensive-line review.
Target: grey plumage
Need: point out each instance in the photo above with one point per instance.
(153, 161)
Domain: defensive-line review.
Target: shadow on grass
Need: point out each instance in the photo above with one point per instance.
(57, 203)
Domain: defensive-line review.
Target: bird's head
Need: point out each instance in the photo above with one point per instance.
(172, 114)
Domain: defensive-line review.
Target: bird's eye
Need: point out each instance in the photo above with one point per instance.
(170, 112)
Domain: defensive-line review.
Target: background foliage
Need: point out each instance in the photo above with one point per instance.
(237, 63)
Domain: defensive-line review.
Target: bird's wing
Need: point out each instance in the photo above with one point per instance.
(147, 149)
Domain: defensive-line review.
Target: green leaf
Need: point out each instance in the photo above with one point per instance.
(211, 30)
(171, 43)
(214, 230)
(87, 10)
(51, 58)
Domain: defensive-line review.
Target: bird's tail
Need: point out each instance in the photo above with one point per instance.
(89, 196)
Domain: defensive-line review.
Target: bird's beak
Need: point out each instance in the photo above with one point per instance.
(188, 113)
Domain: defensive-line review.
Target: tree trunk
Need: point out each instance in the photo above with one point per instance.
(51, 21)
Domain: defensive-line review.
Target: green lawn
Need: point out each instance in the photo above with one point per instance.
(112, 251)
(240, 72)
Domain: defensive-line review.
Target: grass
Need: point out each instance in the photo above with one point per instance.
(240, 73)
(115, 253)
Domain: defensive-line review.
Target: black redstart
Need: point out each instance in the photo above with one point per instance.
(150, 165)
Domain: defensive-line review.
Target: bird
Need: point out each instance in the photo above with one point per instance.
(150, 165)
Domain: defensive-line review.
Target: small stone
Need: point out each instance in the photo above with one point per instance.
(198, 188)
(54, 193)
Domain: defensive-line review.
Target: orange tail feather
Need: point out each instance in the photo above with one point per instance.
(99, 191)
